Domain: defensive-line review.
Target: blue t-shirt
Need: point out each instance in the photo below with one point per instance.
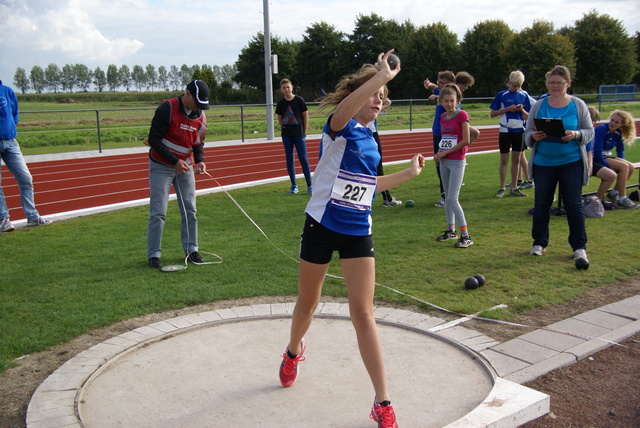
(344, 182)
(550, 153)
(512, 121)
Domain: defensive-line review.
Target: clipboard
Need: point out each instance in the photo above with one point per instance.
(552, 127)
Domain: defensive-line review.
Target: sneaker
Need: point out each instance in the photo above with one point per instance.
(626, 203)
(38, 221)
(309, 190)
(294, 189)
(501, 192)
(384, 415)
(526, 185)
(289, 366)
(195, 257)
(516, 192)
(440, 203)
(6, 225)
(580, 257)
(155, 262)
(393, 202)
(612, 196)
(537, 250)
(580, 253)
(448, 234)
(464, 242)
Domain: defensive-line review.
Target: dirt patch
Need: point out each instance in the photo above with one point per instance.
(608, 379)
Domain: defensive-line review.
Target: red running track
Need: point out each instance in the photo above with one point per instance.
(63, 185)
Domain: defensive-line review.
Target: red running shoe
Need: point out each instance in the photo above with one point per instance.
(289, 366)
(383, 415)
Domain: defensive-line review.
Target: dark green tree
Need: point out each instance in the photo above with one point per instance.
(205, 73)
(429, 50)
(318, 58)
(372, 35)
(536, 50)
(483, 55)
(21, 80)
(604, 50)
(250, 62)
(636, 40)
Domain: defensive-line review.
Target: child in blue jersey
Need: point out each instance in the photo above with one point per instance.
(620, 130)
(338, 218)
(606, 175)
(512, 105)
(451, 155)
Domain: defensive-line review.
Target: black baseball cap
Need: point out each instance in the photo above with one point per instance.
(199, 90)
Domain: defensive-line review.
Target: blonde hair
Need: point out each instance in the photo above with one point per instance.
(628, 128)
(450, 89)
(348, 84)
(594, 113)
(516, 77)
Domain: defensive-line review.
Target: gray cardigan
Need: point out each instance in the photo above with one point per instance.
(585, 126)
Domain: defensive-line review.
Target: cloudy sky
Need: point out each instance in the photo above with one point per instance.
(172, 32)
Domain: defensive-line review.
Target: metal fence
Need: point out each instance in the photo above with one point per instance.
(122, 126)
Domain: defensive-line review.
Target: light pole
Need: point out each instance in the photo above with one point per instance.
(267, 71)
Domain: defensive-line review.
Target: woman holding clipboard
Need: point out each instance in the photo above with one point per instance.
(559, 160)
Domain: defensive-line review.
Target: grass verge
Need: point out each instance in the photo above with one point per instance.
(62, 280)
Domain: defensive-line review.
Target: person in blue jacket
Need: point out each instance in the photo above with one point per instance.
(620, 131)
(11, 155)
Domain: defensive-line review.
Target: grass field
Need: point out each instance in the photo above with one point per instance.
(62, 280)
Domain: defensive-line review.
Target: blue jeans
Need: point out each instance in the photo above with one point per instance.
(569, 177)
(161, 178)
(300, 143)
(11, 155)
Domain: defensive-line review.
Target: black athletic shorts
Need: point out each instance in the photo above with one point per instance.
(318, 243)
(596, 167)
(513, 140)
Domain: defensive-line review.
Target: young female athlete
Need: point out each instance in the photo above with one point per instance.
(338, 218)
(452, 157)
(620, 131)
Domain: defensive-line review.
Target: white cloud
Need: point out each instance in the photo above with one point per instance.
(63, 27)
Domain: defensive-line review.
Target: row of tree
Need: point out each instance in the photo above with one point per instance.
(79, 76)
(597, 49)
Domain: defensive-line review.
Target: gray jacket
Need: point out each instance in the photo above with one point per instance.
(585, 126)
